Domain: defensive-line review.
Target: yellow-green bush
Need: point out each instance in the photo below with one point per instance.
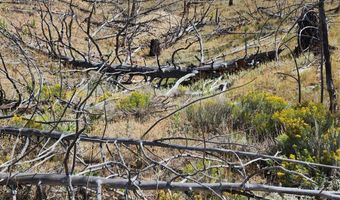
(209, 115)
(134, 102)
(308, 134)
(3, 24)
(308, 128)
(254, 113)
(19, 121)
(106, 95)
(305, 132)
(52, 113)
(165, 195)
(48, 92)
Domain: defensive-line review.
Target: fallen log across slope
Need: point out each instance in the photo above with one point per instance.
(208, 70)
(119, 183)
(149, 73)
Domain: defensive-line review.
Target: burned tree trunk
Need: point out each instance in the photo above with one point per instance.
(231, 2)
(155, 49)
(326, 54)
(308, 33)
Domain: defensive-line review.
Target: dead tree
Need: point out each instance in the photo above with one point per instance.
(231, 2)
(155, 49)
(84, 162)
(326, 54)
(308, 34)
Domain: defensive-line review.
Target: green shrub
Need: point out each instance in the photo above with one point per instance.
(165, 195)
(308, 134)
(3, 24)
(106, 95)
(254, 112)
(135, 102)
(19, 121)
(305, 132)
(308, 128)
(48, 92)
(209, 115)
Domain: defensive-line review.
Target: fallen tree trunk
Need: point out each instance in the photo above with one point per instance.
(206, 70)
(119, 183)
(28, 132)
(209, 70)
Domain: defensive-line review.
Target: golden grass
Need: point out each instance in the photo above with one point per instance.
(130, 127)
(230, 45)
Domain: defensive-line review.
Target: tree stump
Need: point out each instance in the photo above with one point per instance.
(308, 30)
(155, 49)
(231, 2)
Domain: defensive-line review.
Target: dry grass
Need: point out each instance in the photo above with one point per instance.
(232, 46)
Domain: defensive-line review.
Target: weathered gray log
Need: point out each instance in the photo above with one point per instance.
(149, 73)
(210, 70)
(119, 183)
(28, 132)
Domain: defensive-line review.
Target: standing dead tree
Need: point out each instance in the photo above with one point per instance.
(326, 55)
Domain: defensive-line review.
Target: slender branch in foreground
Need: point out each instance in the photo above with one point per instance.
(93, 181)
(191, 103)
(27, 132)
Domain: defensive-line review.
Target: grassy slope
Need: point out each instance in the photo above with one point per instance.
(231, 46)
